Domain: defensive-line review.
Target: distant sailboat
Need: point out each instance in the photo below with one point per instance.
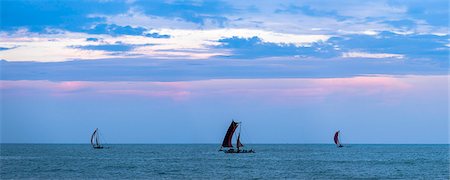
(336, 139)
(95, 142)
(228, 138)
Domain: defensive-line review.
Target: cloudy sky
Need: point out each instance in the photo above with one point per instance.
(179, 71)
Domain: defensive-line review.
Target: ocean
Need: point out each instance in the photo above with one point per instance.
(196, 161)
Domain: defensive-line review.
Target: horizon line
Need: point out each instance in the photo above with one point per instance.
(39, 143)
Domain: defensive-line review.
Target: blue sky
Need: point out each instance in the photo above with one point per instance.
(313, 66)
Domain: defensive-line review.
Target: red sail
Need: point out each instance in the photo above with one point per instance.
(238, 143)
(336, 138)
(227, 139)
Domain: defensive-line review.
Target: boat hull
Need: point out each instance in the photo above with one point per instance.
(231, 151)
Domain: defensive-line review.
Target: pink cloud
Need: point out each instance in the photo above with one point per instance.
(71, 85)
(279, 90)
(175, 95)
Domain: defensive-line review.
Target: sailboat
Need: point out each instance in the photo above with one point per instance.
(228, 138)
(95, 142)
(336, 139)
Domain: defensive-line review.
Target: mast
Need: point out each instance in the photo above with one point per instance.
(238, 140)
(97, 142)
(238, 143)
(229, 135)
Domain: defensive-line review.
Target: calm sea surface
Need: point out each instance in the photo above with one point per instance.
(205, 162)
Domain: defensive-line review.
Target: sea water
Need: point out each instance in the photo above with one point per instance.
(300, 161)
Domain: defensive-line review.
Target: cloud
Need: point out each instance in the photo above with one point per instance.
(282, 17)
(92, 39)
(199, 12)
(76, 88)
(254, 47)
(107, 47)
(146, 69)
(156, 35)
(309, 11)
(431, 47)
(380, 45)
(68, 46)
(7, 48)
(117, 47)
(115, 30)
(234, 43)
(371, 55)
(223, 87)
(205, 29)
(403, 23)
(434, 13)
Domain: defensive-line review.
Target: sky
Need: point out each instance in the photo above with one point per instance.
(145, 71)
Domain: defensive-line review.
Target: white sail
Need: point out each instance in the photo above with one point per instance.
(95, 142)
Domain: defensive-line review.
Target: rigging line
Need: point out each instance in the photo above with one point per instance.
(234, 133)
(248, 140)
(104, 140)
(97, 140)
(238, 137)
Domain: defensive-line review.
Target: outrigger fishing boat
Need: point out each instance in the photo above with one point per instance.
(336, 140)
(228, 138)
(95, 142)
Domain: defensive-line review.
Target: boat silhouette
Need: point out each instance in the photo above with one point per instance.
(336, 139)
(227, 145)
(95, 140)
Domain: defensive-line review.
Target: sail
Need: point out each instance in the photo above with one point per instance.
(336, 138)
(93, 136)
(95, 142)
(227, 139)
(238, 143)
